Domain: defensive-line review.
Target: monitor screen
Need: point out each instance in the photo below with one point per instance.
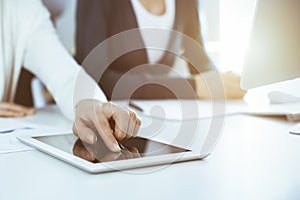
(273, 52)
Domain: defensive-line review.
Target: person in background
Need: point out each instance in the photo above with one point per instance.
(98, 20)
(28, 38)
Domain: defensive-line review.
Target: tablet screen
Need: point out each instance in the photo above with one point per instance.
(131, 148)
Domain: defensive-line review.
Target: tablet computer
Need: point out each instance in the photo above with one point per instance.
(136, 152)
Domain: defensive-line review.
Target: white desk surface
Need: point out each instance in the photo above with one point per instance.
(256, 158)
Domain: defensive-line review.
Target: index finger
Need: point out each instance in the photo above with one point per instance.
(103, 128)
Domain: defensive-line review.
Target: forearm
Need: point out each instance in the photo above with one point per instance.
(46, 57)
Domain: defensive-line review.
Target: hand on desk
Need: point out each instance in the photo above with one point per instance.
(14, 110)
(111, 122)
(231, 84)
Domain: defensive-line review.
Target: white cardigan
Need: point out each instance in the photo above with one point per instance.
(28, 38)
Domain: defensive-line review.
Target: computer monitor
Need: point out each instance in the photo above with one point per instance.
(273, 52)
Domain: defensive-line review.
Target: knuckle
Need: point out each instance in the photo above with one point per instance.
(124, 111)
(128, 112)
(107, 106)
(127, 115)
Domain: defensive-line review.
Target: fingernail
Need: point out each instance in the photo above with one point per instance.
(116, 147)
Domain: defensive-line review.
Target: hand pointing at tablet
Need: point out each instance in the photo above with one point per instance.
(107, 120)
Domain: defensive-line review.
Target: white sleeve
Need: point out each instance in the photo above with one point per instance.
(46, 57)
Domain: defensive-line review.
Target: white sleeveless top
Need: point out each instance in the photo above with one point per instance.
(146, 19)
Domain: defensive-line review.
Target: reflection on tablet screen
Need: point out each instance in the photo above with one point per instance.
(131, 148)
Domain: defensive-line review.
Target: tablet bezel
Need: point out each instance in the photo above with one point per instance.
(106, 166)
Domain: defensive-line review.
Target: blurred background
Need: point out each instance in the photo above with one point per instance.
(225, 26)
